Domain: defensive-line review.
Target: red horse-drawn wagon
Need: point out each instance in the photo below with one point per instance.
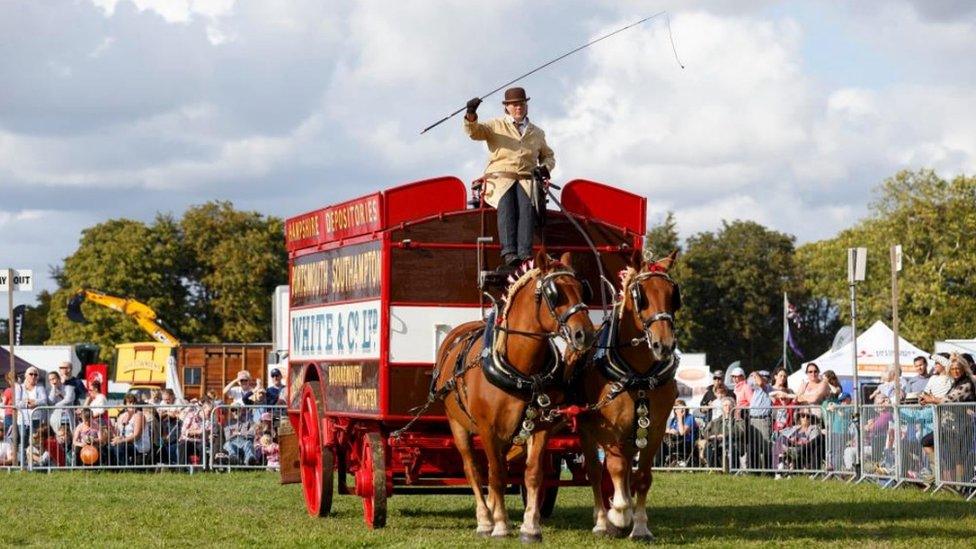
(375, 285)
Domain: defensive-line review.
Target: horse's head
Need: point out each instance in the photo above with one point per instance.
(651, 298)
(555, 304)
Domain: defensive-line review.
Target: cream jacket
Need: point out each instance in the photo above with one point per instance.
(510, 152)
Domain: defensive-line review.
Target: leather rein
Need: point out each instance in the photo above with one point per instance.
(547, 291)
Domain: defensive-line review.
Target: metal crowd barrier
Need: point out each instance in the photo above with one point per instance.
(700, 449)
(915, 464)
(933, 446)
(954, 431)
(7, 450)
(791, 440)
(878, 438)
(142, 436)
(246, 436)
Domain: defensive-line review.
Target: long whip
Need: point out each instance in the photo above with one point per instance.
(563, 56)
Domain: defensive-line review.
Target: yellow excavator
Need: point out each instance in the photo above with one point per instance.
(143, 366)
(140, 312)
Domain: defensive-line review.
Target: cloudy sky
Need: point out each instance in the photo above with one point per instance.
(788, 113)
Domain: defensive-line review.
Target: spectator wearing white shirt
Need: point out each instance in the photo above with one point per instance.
(939, 383)
(29, 396)
(239, 388)
(60, 395)
(96, 401)
(717, 406)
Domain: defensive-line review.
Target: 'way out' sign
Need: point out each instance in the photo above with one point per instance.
(23, 280)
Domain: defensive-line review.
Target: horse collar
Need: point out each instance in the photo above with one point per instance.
(615, 367)
(502, 374)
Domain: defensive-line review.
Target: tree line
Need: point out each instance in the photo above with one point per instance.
(733, 278)
(210, 274)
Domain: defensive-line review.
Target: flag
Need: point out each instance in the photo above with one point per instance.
(793, 315)
(792, 343)
(19, 311)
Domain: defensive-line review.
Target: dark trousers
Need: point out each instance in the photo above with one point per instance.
(516, 222)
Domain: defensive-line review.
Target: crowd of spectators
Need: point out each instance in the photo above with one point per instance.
(760, 424)
(64, 423)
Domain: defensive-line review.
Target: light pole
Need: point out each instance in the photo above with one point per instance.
(856, 267)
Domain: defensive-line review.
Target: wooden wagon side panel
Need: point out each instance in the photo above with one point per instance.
(208, 367)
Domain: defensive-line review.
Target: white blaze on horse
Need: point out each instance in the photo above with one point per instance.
(504, 386)
(629, 383)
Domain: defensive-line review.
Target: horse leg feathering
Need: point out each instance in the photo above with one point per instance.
(621, 511)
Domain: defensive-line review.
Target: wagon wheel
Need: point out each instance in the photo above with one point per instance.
(371, 479)
(317, 460)
(548, 495)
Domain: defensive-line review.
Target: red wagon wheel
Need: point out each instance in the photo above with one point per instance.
(317, 460)
(371, 479)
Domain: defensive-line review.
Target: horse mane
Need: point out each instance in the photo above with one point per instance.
(522, 275)
(626, 275)
(525, 273)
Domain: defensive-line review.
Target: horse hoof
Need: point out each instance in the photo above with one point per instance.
(485, 534)
(614, 532)
(643, 538)
(601, 532)
(526, 537)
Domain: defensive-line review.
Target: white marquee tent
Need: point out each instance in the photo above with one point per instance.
(875, 349)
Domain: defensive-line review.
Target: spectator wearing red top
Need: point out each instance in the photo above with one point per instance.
(8, 400)
(742, 390)
(54, 446)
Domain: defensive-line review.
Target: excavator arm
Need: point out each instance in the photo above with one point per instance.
(140, 312)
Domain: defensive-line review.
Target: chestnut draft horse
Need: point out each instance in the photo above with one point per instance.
(629, 385)
(499, 379)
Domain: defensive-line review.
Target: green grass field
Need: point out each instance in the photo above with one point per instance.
(238, 509)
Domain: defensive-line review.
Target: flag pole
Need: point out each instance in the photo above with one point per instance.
(786, 329)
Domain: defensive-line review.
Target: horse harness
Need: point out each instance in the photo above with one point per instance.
(500, 372)
(615, 368)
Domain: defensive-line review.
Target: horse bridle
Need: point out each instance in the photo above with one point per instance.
(547, 291)
(638, 299)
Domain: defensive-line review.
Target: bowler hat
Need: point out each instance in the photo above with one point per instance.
(515, 95)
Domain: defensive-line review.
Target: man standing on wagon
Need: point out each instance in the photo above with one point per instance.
(516, 147)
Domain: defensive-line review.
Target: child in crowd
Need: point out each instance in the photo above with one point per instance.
(270, 450)
(36, 454)
(54, 445)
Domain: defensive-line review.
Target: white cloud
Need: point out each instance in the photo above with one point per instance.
(173, 11)
(286, 104)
